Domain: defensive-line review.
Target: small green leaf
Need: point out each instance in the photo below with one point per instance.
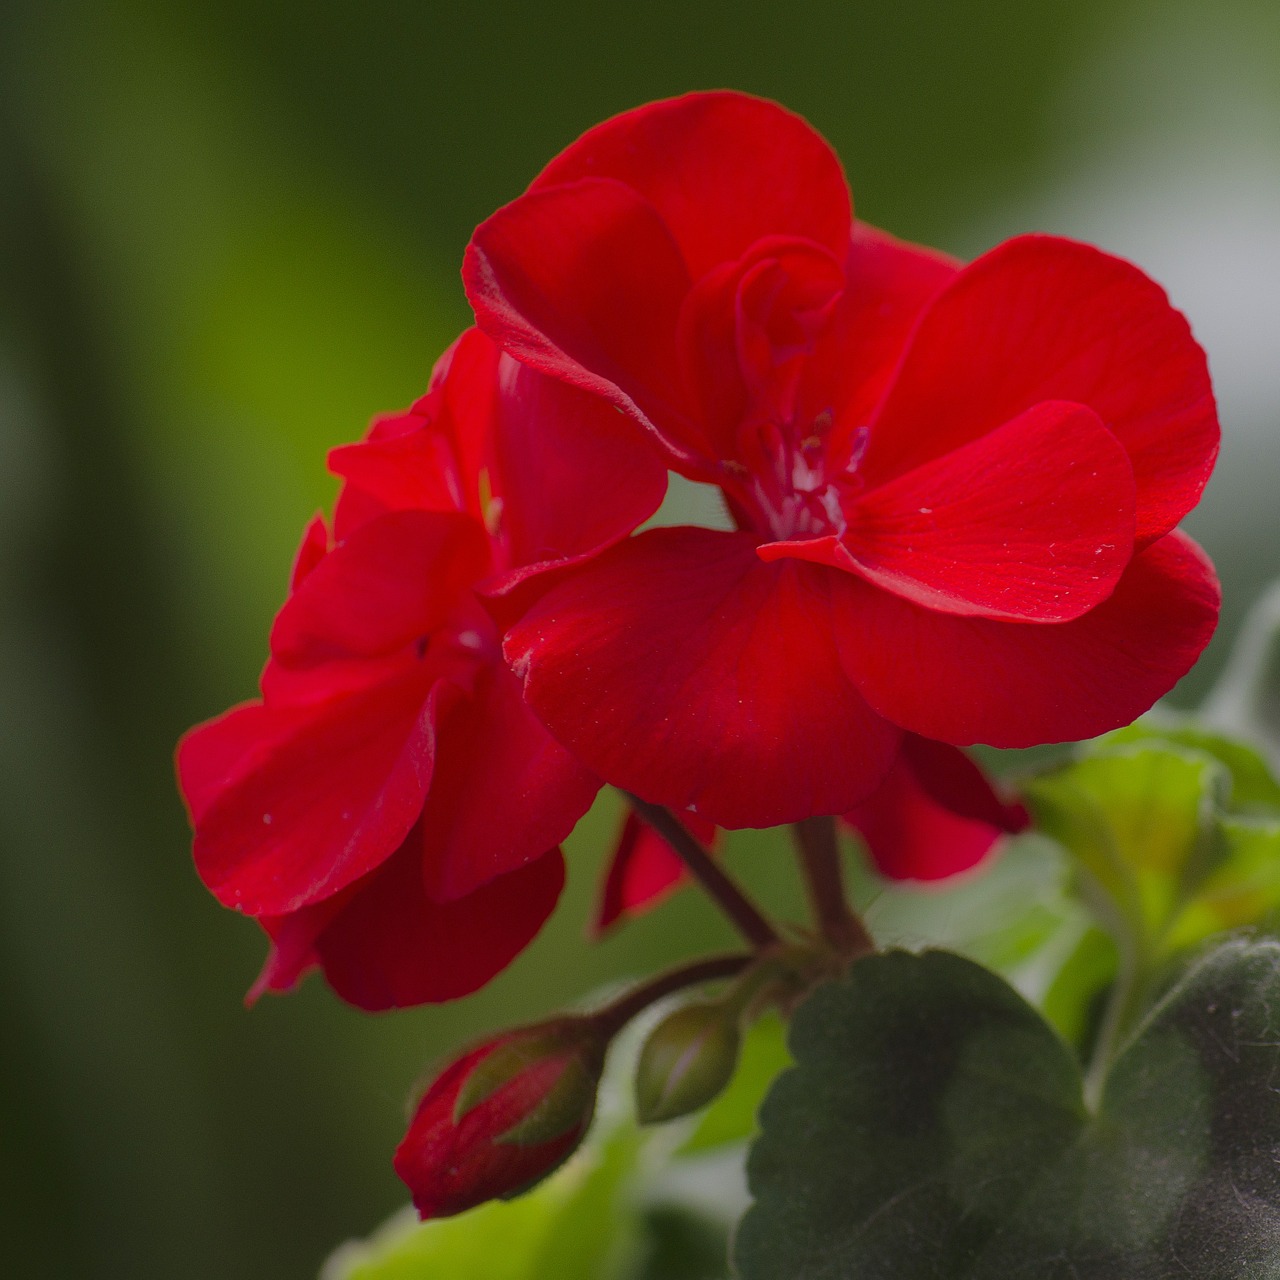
(1254, 788)
(1141, 820)
(1243, 888)
(934, 1129)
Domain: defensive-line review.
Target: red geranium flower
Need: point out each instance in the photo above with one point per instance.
(390, 809)
(955, 488)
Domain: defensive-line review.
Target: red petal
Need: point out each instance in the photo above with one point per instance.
(887, 284)
(1040, 318)
(953, 781)
(391, 583)
(324, 794)
(745, 331)
(583, 282)
(572, 473)
(933, 816)
(405, 472)
(384, 945)
(314, 546)
(966, 680)
(466, 380)
(429, 458)
(503, 792)
(213, 756)
(678, 666)
(1031, 522)
(644, 869)
(723, 169)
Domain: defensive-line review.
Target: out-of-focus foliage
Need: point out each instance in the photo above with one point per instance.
(574, 1227)
(1173, 831)
(230, 234)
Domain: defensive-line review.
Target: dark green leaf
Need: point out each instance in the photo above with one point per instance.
(681, 1245)
(934, 1129)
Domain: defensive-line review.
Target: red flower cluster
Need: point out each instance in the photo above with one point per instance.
(954, 492)
(391, 809)
(955, 487)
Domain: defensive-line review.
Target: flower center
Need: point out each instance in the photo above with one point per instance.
(792, 483)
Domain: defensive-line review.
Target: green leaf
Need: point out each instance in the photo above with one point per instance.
(1006, 914)
(577, 1225)
(1254, 788)
(934, 1129)
(1141, 819)
(1072, 1000)
(1244, 887)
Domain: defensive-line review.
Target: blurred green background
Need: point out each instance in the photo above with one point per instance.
(231, 233)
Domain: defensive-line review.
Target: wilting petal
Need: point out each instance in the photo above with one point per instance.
(503, 792)
(965, 680)
(678, 666)
(584, 283)
(933, 816)
(1040, 318)
(644, 869)
(388, 585)
(572, 473)
(323, 794)
(723, 169)
(1032, 522)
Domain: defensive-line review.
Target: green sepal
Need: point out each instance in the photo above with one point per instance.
(509, 1060)
(566, 1106)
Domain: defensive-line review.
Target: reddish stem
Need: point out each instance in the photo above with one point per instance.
(819, 852)
(709, 969)
(749, 919)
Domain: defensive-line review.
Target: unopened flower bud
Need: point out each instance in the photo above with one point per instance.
(688, 1058)
(502, 1117)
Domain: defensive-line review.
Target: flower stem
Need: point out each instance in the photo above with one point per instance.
(746, 916)
(1124, 1006)
(824, 882)
(709, 969)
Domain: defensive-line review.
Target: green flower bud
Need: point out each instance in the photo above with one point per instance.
(688, 1058)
